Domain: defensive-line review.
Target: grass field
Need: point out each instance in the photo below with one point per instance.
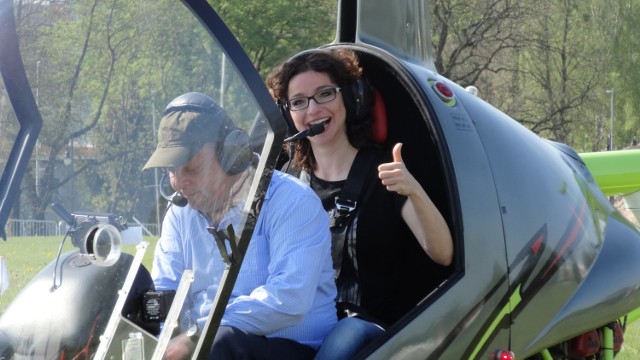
(631, 346)
(25, 257)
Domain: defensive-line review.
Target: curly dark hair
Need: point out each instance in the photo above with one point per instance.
(343, 68)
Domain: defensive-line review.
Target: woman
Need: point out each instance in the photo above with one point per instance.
(396, 234)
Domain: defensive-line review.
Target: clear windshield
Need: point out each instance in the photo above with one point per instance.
(101, 74)
(7, 130)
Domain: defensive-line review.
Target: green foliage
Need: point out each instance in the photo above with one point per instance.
(545, 63)
(117, 64)
(625, 76)
(272, 31)
(561, 72)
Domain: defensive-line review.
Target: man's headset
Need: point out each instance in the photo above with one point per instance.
(233, 145)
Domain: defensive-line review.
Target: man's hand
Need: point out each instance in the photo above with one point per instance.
(179, 348)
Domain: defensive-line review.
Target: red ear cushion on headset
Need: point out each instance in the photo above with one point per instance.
(379, 116)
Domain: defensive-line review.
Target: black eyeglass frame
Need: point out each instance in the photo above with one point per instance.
(335, 90)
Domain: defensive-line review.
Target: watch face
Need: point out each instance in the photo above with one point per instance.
(192, 332)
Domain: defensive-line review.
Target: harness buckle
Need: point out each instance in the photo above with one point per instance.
(345, 206)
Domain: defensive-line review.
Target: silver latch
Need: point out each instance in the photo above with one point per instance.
(344, 205)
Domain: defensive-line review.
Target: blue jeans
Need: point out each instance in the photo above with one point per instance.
(347, 338)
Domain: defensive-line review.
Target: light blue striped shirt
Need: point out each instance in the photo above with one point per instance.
(285, 287)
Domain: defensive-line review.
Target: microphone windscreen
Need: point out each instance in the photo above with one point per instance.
(179, 200)
(316, 129)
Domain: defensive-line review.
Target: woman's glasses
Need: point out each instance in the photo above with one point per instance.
(321, 97)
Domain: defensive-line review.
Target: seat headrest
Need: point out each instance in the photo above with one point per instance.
(379, 116)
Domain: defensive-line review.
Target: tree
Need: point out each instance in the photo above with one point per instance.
(118, 64)
(272, 31)
(543, 63)
(65, 118)
(470, 37)
(625, 77)
(561, 70)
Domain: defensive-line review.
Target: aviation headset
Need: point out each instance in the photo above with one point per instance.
(233, 146)
(358, 96)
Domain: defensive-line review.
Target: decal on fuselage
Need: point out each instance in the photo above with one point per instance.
(525, 285)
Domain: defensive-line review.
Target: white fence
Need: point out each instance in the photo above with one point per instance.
(17, 227)
(33, 228)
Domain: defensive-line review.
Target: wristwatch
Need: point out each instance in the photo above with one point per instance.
(193, 334)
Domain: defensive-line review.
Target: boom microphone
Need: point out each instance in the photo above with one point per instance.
(313, 130)
(176, 198)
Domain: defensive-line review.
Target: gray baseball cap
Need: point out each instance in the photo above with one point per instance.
(189, 121)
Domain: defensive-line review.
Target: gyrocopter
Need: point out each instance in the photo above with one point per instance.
(545, 267)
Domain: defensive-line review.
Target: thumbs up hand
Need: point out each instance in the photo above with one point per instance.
(395, 176)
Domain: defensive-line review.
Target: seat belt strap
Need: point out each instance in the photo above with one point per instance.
(347, 204)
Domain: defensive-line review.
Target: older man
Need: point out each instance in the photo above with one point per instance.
(282, 305)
